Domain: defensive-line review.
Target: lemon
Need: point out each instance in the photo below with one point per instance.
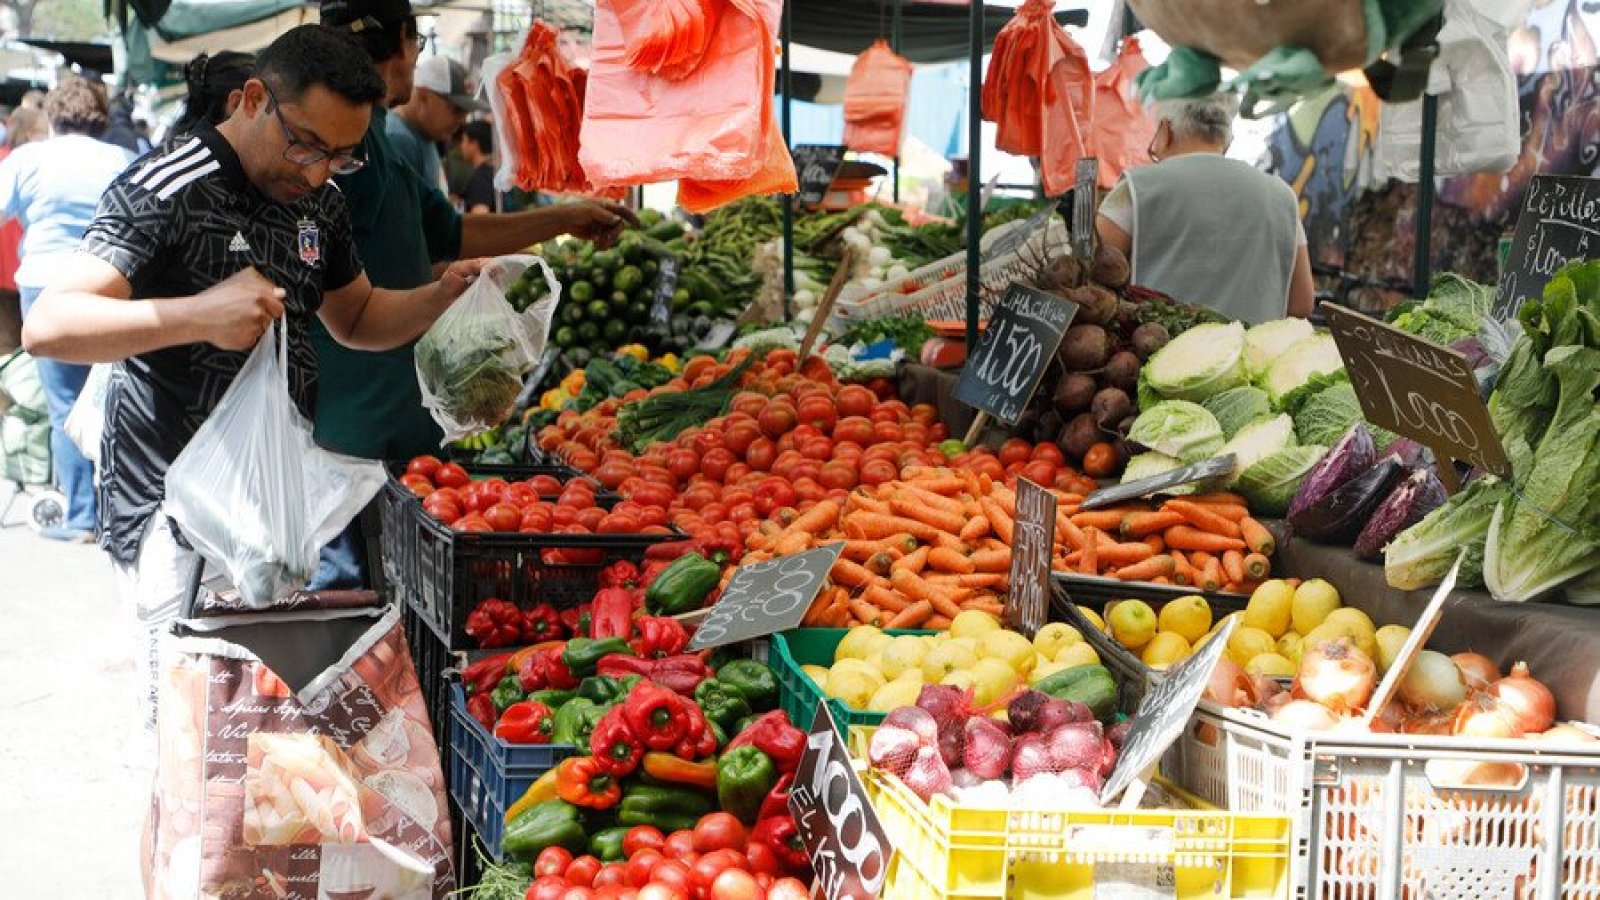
(1053, 636)
(1313, 600)
(819, 674)
(903, 654)
(1046, 669)
(1272, 665)
(1359, 626)
(1078, 655)
(874, 660)
(854, 687)
(1290, 647)
(1093, 617)
(947, 658)
(859, 643)
(1271, 607)
(962, 680)
(993, 679)
(857, 666)
(1247, 643)
(1390, 639)
(1010, 648)
(1187, 617)
(895, 694)
(972, 623)
(1165, 649)
(1133, 623)
(1367, 643)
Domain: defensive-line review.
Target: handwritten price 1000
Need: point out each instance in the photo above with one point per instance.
(788, 593)
(1423, 415)
(848, 817)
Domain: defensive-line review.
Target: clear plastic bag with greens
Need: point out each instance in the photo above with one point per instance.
(251, 491)
(471, 363)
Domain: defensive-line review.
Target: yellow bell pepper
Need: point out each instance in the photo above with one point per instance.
(550, 399)
(541, 791)
(637, 351)
(669, 361)
(573, 383)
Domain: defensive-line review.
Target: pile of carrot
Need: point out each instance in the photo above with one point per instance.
(920, 551)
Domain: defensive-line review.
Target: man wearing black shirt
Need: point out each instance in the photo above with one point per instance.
(477, 148)
(195, 251)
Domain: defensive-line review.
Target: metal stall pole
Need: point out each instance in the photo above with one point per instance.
(788, 140)
(894, 44)
(974, 167)
(1422, 262)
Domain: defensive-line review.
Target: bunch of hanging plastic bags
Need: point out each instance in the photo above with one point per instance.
(875, 100)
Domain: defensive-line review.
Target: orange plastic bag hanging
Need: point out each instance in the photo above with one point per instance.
(1039, 92)
(875, 98)
(543, 95)
(1122, 131)
(667, 37)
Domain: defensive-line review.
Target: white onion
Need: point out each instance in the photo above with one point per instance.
(1433, 682)
(880, 256)
(1305, 714)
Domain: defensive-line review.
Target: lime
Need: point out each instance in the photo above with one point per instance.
(566, 336)
(588, 332)
(597, 310)
(615, 330)
(628, 278)
(581, 291)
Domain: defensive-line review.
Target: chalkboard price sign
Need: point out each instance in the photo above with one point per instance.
(1418, 389)
(1559, 223)
(666, 286)
(848, 847)
(816, 165)
(765, 597)
(1031, 543)
(1164, 713)
(1013, 352)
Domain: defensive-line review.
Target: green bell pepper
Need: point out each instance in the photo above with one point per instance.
(721, 734)
(552, 699)
(754, 680)
(667, 822)
(745, 776)
(721, 702)
(651, 799)
(549, 824)
(607, 844)
(742, 724)
(600, 689)
(682, 586)
(583, 654)
(575, 722)
(507, 692)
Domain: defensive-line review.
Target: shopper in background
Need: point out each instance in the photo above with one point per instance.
(368, 403)
(22, 126)
(439, 105)
(52, 188)
(216, 84)
(120, 130)
(477, 148)
(1206, 229)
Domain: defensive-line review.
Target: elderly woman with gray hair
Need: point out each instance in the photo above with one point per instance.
(1206, 229)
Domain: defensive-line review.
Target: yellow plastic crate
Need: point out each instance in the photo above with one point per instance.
(945, 850)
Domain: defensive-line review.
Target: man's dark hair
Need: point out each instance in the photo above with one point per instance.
(479, 133)
(309, 55)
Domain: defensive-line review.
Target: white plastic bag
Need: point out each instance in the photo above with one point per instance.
(471, 363)
(251, 491)
(505, 137)
(86, 421)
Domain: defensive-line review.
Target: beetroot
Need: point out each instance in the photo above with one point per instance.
(928, 775)
(892, 749)
(988, 748)
(947, 703)
(1023, 711)
(952, 742)
(915, 720)
(1075, 746)
(1119, 733)
(1030, 757)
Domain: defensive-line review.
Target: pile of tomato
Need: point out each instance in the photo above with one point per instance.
(789, 439)
(714, 861)
(542, 504)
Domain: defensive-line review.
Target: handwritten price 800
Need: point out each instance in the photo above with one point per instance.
(787, 594)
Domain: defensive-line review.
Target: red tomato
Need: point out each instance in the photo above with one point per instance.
(925, 413)
(537, 519)
(808, 468)
(986, 464)
(417, 484)
(472, 522)
(715, 512)
(611, 874)
(678, 843)
(442, 508)
(591, 517)
(855, 429)
(547, 887)
(777, 419)
(915, 433)
(682, 463)
(887, 432)
(503, 517)
(774, 494)
(583, 870)
(763, 859)
(641, 837)
(855, 400)
(552, 861)
(735, 496)
(736, 471)
(707, 440)
(878, 471)
(425, 466)
(786, 462)
(709, 866)
(655, 891)
(653, 516)
(641, 862)
(613, 474)
(817, 411)
(1040, 471)
(563, 516)
(718, 831)
(847, 450)
(817, 448)
(618, 523)
(716, 462)
(787, 889)
(674, 874)
(749, 403)
(1015, 450)
(578, 892)
(742, 512)
(1049, 451)
(520, 495)
(761, 453)
(740, 435)
(651, 493)
(698, 495)
(787, 443)
(616, 892)
(840, 474)
(736, 884)
(809, 490)
(884, 413)
(660, 474)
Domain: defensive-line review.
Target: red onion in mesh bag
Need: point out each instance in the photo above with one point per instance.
(952, 742)
(1081, 778)
(1056, 713)
(1023, 711)
(988, 748)
(947, 703)
(916, 720)
(1075, 746)
(893, 749)
(1030, 756)
(928, 775)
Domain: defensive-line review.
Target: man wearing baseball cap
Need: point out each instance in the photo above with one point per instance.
(369, 404)
(440, 101)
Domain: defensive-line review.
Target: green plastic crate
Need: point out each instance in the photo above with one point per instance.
(797, 693)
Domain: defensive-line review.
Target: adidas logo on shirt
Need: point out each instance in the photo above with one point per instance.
(238, 244)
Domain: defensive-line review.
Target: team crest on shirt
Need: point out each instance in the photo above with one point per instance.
(310, 242)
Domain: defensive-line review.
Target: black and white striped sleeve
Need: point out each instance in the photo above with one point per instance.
(139, 213)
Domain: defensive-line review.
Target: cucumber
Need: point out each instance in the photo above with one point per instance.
(1090, 685)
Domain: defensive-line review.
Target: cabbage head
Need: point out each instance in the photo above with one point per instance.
(1266, 342)
(1322, 417)
(1271, 482)
(1199, 363)
(1257, 441)
(1298, 365)
(1238, 407)
(1149, 465)
(1178, 428)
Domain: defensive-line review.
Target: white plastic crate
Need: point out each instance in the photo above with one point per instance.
(1379, 816)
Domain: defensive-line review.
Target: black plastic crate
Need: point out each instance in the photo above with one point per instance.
(432, 659)
(442, 574)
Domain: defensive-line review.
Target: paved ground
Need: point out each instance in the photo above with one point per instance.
(71, 800)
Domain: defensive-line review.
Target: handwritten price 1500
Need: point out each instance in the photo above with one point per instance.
(1010, 365)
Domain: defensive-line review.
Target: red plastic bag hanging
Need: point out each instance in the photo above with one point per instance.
(1122, 131)
(875, 99)
(707, 123)
(1039, 92)
(543, 96)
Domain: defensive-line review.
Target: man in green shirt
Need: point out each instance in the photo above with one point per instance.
(369, 404)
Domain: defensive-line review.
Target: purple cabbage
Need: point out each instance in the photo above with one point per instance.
(1338, 517)
(1414, 497)
(1351, 456)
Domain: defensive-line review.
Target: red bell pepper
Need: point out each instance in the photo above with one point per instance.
(777, 802)
(680, 674)
(613, 744)
(495, 623)
(570, 617)
(659, 636)
(545, 669)
(620, 574)
(543, 623)
(480, 677)
(773, 735)
(667, 552)
(611, 613)
(659, 718)
(525, 722)
(482, 710)
(783, 836)
(698, 741)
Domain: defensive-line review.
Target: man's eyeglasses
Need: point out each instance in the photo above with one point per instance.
(303, 153)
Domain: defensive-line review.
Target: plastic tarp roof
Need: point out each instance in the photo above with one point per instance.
(930, 32)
